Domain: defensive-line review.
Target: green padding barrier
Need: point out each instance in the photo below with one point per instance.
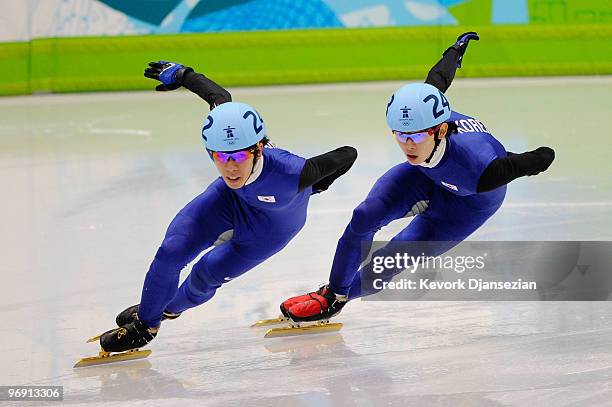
(303, 56)
(15, 62)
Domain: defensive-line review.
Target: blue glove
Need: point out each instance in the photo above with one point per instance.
(168, 73)
(462, 43)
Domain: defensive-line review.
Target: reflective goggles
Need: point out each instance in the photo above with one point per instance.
(417, 137)
(238, 156)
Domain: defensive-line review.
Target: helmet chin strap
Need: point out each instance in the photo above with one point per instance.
(254, 163)
(437, 143)
(256, 169)
(258, 155)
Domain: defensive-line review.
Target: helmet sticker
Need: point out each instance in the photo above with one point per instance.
(208, 125)
(256, 127)
(437, 113)
(389, 104)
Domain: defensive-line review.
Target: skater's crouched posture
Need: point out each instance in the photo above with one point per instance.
(256, 206)
(455, 179)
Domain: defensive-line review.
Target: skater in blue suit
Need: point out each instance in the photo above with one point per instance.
(252, 211)
(454, 180)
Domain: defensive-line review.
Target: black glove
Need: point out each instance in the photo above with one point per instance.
(461, 45)
(170, 74)
(546, 156)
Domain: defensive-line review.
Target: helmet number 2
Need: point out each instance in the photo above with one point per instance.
(207, 125)
(389, 104)
(437, 113)
(255, 116)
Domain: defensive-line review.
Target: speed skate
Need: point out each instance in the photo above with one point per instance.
(293, 328)
(104, 357)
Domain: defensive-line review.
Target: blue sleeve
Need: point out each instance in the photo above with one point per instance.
(293, 163)
(478, 152)
(288, 164)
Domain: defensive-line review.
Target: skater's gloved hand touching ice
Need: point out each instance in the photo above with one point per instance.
(170, 74)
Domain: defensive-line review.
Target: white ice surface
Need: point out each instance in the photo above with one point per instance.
(90, 183)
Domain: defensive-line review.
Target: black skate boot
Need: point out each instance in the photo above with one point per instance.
(127, 337)
(130, 314)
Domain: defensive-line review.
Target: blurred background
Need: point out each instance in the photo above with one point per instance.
(84, 45)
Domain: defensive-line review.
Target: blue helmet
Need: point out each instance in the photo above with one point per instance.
(232, 126)
(417, 106)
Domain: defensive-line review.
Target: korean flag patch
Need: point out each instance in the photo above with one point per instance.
(266, 198)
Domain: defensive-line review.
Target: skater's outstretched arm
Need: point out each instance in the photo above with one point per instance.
(442, 74)
(172, 76)
(205, 88)
(321, 171)
(504, 170)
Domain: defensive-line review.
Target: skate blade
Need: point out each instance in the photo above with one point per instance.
(273, 321)
(303, 330)
(94, 338)
(106, 357)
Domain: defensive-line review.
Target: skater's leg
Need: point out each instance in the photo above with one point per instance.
(447, 222)
(251, 244)
(194, 228)
(392, 197)
(220, 265)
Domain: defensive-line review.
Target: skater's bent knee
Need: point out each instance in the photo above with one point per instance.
(367, 216)
(202, 282)
(174, 249)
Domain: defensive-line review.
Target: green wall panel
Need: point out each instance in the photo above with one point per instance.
(303, 56)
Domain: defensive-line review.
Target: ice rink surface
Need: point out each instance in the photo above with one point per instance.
(91, 181)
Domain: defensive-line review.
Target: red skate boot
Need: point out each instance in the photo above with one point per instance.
(320, 305)
(288, 303)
